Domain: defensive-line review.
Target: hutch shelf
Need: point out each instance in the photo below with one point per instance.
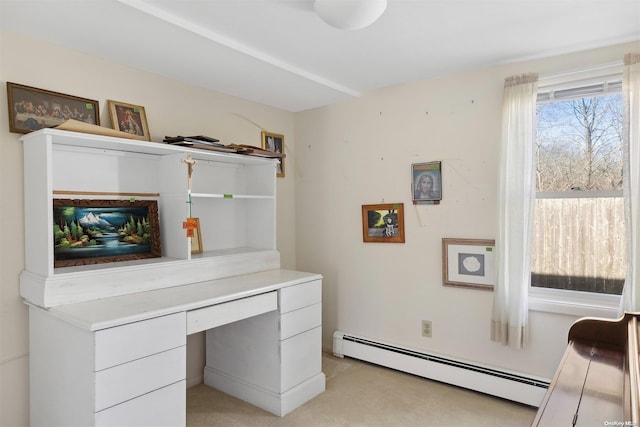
(233, 195)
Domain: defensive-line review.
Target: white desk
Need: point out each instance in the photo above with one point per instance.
(122, 360)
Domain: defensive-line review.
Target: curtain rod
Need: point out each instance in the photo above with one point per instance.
(591, 70)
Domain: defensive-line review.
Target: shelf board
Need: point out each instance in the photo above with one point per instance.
(228, 252)
(134, 264)
(230, 196)
(78, 139)
(79, 269)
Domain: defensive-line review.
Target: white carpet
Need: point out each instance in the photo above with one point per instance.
(362, 394)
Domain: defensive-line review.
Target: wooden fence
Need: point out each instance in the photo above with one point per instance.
(579, 244)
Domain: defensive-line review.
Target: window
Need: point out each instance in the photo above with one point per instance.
(579, 236)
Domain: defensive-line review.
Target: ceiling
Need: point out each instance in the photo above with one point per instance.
(280, 53)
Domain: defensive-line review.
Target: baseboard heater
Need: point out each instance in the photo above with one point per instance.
(507, 385)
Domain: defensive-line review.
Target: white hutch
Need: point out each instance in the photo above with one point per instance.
(108, 340)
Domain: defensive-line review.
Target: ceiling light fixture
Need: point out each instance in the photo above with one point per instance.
(350, 14)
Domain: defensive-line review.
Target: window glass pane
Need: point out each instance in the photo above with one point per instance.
(579, 242)
(579, 144)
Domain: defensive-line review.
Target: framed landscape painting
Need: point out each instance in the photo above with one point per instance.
(383, 223)
(99, 231)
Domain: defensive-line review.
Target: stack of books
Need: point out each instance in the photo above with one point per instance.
(188, 140)
(207, 143)
(200, 141)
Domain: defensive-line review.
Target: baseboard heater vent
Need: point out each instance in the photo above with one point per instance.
(507, 385)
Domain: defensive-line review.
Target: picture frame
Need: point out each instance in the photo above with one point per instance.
(274, 142)
(31, 108)
(196, 240)
(383, 223)
(129, 118)
(426, 182)
(468, 263)
(90, 231)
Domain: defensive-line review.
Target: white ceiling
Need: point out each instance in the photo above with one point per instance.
(280, 53)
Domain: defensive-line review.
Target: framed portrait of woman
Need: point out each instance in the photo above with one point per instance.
(129, 118)
(426, 182)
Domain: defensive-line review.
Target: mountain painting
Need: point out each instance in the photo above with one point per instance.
(98, 231)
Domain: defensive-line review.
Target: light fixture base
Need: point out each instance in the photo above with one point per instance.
(350, 14)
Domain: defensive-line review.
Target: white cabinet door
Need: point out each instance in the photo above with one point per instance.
(301, 358)
(164, 407)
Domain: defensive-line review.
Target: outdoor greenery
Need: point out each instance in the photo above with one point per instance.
(71, 234)
(579, 144)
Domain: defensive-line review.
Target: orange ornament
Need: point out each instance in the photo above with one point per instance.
(190, 225)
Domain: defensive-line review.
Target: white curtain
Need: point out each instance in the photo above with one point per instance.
(516, 201)
(631, 179)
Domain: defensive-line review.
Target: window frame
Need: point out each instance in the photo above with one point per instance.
(561, 301)
(576, 303)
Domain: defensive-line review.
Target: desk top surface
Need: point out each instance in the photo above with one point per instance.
(115, 311)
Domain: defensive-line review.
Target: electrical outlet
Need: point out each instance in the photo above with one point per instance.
(426, 328)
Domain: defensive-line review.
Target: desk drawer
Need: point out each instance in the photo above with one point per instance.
(122, 344)
(301, 320)
(133, 379)
(298, 296)
(301, 358)
(229, 312)
(164, 407)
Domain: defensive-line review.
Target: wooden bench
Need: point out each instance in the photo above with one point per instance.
(598, 380)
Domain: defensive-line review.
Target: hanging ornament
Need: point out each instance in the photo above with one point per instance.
(190, 224)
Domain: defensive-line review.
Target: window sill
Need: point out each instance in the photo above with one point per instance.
(581, 304)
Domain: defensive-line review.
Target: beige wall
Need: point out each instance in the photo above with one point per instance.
(360, 152)
(172, 108)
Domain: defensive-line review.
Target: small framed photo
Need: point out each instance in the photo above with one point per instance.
(87, 231)
(426, 182)
(196, 240)
(383, 223)
(274, 142)
(31, 108)
(468, 263)
(129, 118)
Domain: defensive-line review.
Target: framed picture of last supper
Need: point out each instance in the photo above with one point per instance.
(31, 108)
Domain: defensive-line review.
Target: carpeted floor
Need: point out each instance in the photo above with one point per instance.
(362, 394)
